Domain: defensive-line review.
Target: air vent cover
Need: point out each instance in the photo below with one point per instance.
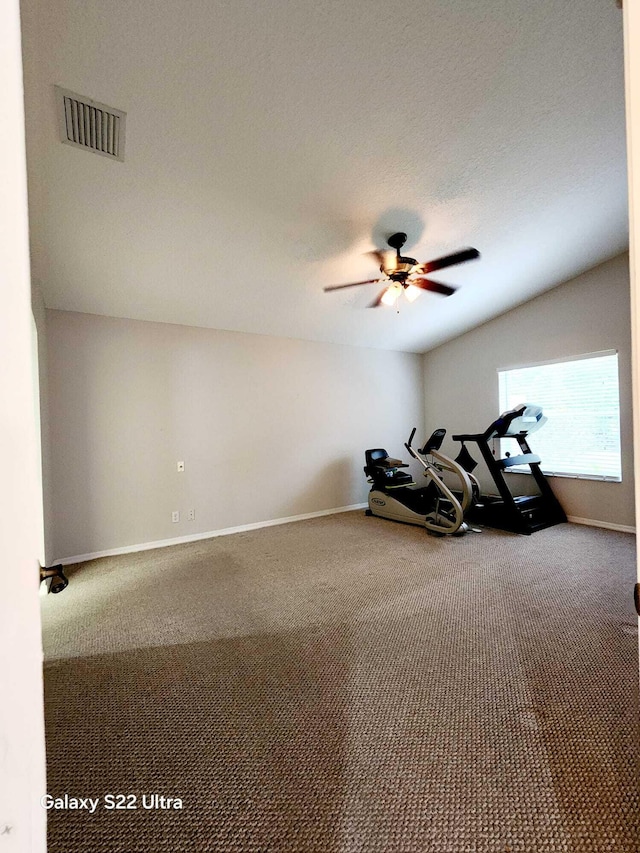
(87, 124)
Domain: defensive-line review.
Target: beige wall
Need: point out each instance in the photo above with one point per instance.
(587, 314)
(267, 427)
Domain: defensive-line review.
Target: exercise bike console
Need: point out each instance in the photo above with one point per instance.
(434, 442)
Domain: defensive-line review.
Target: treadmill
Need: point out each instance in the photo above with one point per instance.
(518, 514)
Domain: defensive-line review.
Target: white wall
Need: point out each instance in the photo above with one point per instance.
(588, 314)
(267, 427)
(632, 99)
(22, 760)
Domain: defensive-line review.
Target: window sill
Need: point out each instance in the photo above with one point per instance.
(595, 477)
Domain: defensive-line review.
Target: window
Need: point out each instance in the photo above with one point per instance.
(581, 401)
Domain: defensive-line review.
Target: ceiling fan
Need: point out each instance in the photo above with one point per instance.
(406, 274)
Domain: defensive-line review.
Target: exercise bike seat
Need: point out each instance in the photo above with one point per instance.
(380, 458)
(383, 469)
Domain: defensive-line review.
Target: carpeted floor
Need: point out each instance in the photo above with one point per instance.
(349, 684)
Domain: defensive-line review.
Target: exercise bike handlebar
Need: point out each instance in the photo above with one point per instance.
(444, 463)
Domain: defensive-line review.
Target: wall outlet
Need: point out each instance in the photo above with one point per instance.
(191, 515)
(175, 516)
(180, 466)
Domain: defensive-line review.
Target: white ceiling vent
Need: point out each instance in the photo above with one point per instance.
(87, 124)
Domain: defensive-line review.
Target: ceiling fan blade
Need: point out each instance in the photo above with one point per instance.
(450, 260)
(379, 257)
(433, 286)
(351, 284)
(378, 301)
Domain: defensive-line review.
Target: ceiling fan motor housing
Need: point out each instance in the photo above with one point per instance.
(398, 268)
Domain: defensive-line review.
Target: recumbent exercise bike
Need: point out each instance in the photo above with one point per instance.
(434, 506)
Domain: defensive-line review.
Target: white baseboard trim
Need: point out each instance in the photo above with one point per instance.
(609, 525)
(195, 537)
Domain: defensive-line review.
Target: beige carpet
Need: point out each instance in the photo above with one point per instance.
(350, 684)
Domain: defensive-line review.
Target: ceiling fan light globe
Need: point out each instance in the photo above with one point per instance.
(391, 294)
(412, 292)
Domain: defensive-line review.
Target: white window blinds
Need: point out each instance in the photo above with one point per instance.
(581, 400)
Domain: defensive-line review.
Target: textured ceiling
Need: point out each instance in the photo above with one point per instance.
(270, 145)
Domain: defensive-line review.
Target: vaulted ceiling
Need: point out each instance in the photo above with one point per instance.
(270, 145)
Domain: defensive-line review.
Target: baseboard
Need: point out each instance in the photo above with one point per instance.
(609, 525)
(195, 537)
